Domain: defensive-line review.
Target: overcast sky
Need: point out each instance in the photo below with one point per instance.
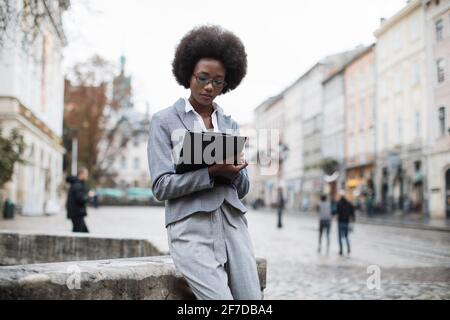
(283, 38)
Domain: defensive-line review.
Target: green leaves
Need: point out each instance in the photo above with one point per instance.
(11, 150)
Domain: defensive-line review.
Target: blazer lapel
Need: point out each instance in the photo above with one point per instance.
(223, 121)
(187, 118)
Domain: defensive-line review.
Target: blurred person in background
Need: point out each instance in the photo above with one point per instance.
(77, 199)
(345, 212)
(325, 215)
(280, 207)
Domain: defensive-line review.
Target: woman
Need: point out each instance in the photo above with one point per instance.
(207, 231)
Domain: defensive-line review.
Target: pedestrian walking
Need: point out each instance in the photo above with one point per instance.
(77, 199)
(206, 227)
(325, 215)
(345, 212)
(280, 207)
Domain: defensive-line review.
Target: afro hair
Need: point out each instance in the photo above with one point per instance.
(210, 42)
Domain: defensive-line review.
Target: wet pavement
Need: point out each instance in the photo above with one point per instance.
(386, 262)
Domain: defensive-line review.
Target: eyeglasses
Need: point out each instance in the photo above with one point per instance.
(203, 80)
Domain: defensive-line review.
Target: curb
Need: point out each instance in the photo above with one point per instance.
(405, 225)
(362, 220)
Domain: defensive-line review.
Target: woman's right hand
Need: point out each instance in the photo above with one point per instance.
(229, 171)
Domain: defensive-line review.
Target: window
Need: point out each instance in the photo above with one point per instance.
(362, 83)
(440, 64)
(414, 26)
(439, 30)
(31, 154)
(370, 141)
(362, 113)
(398, 81)
(362, 148)
(136, 163)
(383, 89)
(352, 118)
(417, 123)
(351, 151)
(351, 85)
(397, 38)
(374, 110)
(441, 118)
(415, 74)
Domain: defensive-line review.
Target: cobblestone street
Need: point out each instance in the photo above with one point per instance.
(414, 264)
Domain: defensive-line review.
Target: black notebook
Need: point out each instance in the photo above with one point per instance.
(202, 149)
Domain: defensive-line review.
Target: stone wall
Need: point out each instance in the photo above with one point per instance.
(22, 248)
(135, 269)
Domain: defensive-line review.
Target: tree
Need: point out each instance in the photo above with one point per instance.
(329, 165)
(102, 131)
(29, 17)
(11, 150)
(85, 100)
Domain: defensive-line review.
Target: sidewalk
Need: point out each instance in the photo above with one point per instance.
(413, 221)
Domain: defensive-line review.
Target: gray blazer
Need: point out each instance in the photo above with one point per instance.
(193, 191)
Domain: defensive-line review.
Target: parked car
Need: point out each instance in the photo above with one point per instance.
(127, 197)
(109, 196)
(142, 196)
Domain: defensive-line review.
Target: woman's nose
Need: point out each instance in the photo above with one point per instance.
(209, 86)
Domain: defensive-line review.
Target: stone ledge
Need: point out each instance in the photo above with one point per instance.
(27, 248)
(130, 278)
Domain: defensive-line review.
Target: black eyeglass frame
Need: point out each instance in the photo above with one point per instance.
(209, 80)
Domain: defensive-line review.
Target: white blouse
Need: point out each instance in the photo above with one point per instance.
(188, 108)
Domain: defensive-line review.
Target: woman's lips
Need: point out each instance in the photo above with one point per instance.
(205, 96)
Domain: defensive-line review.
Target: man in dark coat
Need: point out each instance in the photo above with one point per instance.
(77, 198)
(345, 212)
(280, 207)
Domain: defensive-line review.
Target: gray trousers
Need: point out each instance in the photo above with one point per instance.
(214, 252)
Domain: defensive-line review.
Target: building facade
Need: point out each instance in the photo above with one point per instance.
(314, 180)
(31, 100)
(269, 122)
(293, 139)
(248, 130)
(311, 104)
(401, 110)
(437, 22)
(126, 154)
(360, 125)
(333, 146)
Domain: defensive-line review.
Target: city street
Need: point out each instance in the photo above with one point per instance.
(413, 264)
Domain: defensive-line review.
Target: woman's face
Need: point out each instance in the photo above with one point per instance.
(211, 71)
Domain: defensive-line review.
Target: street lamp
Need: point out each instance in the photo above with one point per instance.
(283, 152)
